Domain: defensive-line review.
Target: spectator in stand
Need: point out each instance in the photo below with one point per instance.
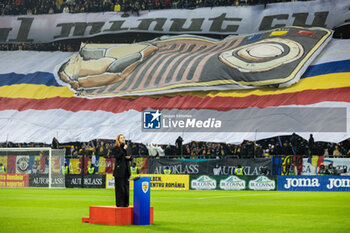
(101, 149)
(326, 151)
(76, 152)
(222, 151)
(277, 149)
(65, 9)
(196, 151)
(346, 145)
(215, 150)
(142, 150)
(178, 145)
(270, 149)
(117, 6)
(91, 169)
(109, 147)
(250, 149)
(217, 170)
(155, 150)
(160, 150)
(244, 152)
(294, 143)
(187, 150)
(307, 150)
(300, 147)
(239, 171)
(65, 169)
(311, 142)
(330, 148)
(2, 168)
(135, 8)
(336, 151)
(55, 144)
(134, 149)
(331, 170)
(237, 150)
(151, 150)
(168, 150)
(258, 151)
(320, 148)
(211, 151)
(322, 170)
(286, 149)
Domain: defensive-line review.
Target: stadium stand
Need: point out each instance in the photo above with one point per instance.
(283, 145)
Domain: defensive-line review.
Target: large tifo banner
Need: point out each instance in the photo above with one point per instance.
(31, 91)
(314, 183)
(210, 167)
(233, 182)
(275, 58)
(217, 20)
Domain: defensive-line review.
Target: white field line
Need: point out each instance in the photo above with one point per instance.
(261, 194)
(203, 198)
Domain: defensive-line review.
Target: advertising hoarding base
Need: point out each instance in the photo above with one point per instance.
(112, 215)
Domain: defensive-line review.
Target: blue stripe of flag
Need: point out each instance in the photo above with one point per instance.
(327, 68)
(44, 78)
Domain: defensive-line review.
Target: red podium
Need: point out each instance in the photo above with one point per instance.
(112, 215)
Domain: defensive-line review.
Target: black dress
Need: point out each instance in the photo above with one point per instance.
(121, 175)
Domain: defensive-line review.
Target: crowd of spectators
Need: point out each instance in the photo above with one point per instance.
(35, 7)
(284, 145)
(17, 7)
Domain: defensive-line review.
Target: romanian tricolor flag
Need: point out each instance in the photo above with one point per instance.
(316, 161)
(42, 95)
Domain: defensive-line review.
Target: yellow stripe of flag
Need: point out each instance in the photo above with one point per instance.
(33, 91)
(327, 81)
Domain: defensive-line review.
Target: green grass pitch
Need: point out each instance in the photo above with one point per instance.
(33, 210)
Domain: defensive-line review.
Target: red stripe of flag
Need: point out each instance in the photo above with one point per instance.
(117, 104)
